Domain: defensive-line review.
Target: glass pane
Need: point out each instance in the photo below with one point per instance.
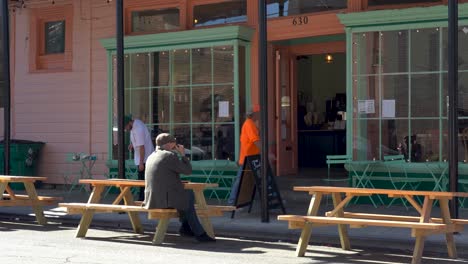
(157, 129)
(394, 2)
(225, 142)
(2, 81)
(462, 50)
(367, 97)
(462, 93)
(234, 11)
(181, 67)
(277, 8)
(425, 95)
(140, 70)
(224, 103)
(366, 53)
(127, 72)
(182, 135)
(181, 100)
(223, 68)
(137, 103)
(202, 138)
(155, 20)
(395, 87)
(425, 49)
(366, 140)
(160, 68)
(394, 51)
(424, 140)
(297, 7)
(242, 81)
(54, 37)
(393, 134)
(201, 66)
(202, 104)
(161, 105)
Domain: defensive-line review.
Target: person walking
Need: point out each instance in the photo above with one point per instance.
(164, 188)
(142, 145)
(249, 145)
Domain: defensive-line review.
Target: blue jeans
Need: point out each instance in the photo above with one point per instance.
(235, 187)
(190, 217)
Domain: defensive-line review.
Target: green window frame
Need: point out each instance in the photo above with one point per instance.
(233, 41)
(366, 72)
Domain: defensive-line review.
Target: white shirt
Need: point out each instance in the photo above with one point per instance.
(140, 136)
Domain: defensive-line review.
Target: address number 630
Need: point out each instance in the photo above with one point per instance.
(300, 20)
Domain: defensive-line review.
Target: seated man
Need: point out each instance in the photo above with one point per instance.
(164, 189)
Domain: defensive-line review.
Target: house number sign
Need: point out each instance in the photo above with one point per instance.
(300, 20)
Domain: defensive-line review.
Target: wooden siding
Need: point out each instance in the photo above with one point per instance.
(67, 110)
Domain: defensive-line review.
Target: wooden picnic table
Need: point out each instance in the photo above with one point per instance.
(94, 205)
(10, 198)
(421, 226)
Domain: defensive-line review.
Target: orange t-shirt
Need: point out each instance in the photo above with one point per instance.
(249, 135)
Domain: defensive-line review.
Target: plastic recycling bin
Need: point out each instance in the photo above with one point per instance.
(23, 158)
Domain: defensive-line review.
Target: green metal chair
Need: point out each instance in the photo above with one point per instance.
(72, 174)
(333, 160)
(464, 187)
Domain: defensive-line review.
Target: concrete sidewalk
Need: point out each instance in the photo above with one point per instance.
(249, 226)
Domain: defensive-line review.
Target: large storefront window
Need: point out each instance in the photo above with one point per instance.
(400, 94)
(226, 12)
(191, 93)
(279, 8)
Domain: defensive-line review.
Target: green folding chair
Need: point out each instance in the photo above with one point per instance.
(333, 160)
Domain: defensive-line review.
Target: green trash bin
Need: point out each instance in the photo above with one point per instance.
(23, 159)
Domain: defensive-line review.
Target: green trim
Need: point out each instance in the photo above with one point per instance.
(110, 105)
(311, 40)
(206, 35)
(349, 91)
(401, 16)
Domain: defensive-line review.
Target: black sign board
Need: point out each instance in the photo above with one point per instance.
(251, 182)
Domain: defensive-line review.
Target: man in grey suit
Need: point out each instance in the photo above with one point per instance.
(164, 189)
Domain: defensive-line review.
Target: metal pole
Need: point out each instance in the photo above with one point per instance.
(263, 86)
(453, 101)
(6, 79)
(120, 89)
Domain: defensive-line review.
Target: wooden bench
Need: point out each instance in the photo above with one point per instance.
(23, 200)
(163, 215)
(29, 199)
(421, 226)
(87, 210)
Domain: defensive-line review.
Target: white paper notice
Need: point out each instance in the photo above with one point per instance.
(388, 108)
(223, 109)
(366, 107)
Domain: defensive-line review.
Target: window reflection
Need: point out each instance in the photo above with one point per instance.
(279, 8)
(187, 92)
(155, 20)
(227, 12)
(394, 2)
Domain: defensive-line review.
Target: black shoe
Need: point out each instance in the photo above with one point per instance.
(185, 230)
(204, 238)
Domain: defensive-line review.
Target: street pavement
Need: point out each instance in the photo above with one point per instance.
(28, 243)
(244, 239)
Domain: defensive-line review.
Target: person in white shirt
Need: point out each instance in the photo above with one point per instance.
(142, 145)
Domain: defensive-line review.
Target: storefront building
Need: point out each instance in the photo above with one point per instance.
(351, 77)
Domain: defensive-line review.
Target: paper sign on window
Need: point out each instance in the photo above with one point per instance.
(388, 108)
(223, 109)
(366, 107)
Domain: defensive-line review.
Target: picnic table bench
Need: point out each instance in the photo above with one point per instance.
(10, 198)
(87, 210)
(421, 226)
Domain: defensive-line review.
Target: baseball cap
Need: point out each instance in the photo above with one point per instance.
(127, 118)
(164, 138)
(253, 109)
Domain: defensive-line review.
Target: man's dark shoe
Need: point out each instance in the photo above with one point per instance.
(185, 230)
(204, 238)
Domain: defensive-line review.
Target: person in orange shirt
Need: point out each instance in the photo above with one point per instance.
(249, 145)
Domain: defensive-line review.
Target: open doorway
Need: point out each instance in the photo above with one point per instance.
(321, 111)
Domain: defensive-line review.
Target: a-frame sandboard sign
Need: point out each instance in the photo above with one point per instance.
(251, 183)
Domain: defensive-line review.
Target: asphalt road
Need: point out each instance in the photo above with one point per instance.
(53, 244)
